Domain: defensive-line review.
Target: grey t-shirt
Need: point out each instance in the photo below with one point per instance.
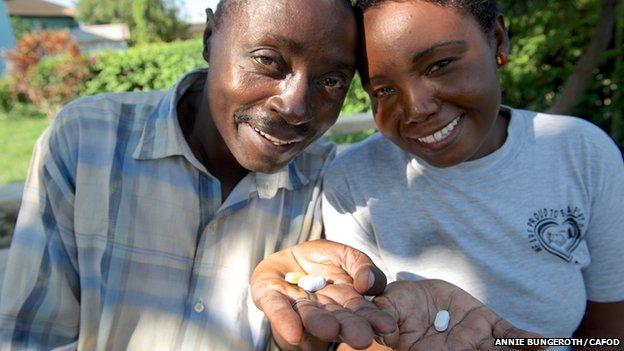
(533, 230)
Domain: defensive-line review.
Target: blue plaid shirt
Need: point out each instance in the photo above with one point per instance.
(123, 242)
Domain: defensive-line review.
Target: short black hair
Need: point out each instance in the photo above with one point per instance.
(484, 12)
(226, 6)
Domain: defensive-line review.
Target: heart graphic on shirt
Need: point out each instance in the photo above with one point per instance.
(559, 238)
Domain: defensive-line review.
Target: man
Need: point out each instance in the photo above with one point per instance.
(144, 213)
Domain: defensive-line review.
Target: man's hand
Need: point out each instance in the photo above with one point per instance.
(473, 326)
(337, 311)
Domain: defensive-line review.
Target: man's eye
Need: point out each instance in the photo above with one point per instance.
(265, 60)
(333, 83)
(438, 66)
(382, 92)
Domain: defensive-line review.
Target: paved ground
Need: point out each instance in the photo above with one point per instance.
(4, 255)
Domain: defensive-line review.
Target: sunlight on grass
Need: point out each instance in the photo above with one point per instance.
(17, 138)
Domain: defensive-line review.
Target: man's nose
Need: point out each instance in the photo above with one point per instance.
(419, 104)
(292, 101)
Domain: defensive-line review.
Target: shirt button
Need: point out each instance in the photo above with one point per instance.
(199, 307)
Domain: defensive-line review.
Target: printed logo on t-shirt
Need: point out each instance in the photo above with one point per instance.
(558, 231)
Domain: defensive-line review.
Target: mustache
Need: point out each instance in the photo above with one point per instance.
(266, 123)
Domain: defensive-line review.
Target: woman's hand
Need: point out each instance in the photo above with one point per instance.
(415, 304)
(337, 311)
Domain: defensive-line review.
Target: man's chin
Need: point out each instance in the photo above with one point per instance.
(265, 164)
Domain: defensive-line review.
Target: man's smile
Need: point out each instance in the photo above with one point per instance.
(277, 141)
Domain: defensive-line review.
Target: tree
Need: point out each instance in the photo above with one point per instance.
(104, 12)
(153, 21)
(578, 79)
(567, 56)
(148, 20)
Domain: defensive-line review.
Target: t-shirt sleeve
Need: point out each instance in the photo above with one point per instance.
(605, 233)
(342, 218)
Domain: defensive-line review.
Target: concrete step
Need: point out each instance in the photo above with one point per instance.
(4, 256)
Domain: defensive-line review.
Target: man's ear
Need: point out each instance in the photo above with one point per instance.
(210, 28)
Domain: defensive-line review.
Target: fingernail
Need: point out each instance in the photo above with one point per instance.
(371, 279)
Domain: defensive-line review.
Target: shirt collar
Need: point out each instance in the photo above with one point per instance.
(162, 137)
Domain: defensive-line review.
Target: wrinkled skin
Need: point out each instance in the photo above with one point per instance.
(414, 305)
(403, 314)
(337, 311)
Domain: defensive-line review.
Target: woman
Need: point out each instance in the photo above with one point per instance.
(520, 209)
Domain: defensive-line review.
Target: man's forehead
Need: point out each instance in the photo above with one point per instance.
(251, 14)
(301, 21)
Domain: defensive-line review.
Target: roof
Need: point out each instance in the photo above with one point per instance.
(100, 32)
(37, 8)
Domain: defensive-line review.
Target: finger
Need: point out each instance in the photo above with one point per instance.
(284, 320)
(381, 321)
(354, 329)
(385, 305)
(344, 295)
(317, 321)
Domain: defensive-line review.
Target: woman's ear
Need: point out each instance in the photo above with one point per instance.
(210, 28)
(501, 39)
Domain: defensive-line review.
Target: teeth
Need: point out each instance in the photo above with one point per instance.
(273, 139)
(440, 134)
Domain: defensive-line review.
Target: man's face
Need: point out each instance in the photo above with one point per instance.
(279, 72)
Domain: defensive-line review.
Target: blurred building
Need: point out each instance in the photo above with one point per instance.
(101, 37)
(6, 35)
(33, 15)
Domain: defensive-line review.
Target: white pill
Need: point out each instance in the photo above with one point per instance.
(312, 283)
(293, 277)
(442, 320)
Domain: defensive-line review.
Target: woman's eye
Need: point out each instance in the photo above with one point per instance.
(382, 92)
(438, 66)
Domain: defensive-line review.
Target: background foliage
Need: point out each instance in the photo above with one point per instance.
(149, 67)
(547, 39)
(148, 20)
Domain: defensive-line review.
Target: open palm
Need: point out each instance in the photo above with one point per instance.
(337, 311)
(473, 326)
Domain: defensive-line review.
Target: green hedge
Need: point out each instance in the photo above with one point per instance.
(149, 67)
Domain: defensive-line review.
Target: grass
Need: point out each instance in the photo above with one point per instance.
(351, 138)
(17, 138)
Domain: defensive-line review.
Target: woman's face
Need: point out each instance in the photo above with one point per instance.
(432, 76)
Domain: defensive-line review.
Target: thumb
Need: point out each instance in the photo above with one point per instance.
(368, 279)
(354, 265)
